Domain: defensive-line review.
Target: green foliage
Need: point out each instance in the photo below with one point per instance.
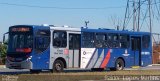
(3, 51)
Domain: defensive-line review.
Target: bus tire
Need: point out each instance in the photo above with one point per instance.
(58, 66)
(119, 65)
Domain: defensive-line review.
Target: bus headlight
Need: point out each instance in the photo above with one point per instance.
(30, 58)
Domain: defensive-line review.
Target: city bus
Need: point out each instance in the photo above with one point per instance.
(55, 48)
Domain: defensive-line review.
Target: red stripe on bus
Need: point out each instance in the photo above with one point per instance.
(105, 61)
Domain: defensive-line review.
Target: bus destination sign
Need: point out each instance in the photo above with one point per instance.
(20, 29)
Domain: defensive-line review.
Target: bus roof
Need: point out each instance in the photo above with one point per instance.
(113, 31)
(84, 29)
(65, 28)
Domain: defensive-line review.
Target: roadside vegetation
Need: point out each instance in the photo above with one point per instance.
(3, 51)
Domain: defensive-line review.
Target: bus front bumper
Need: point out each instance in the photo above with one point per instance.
(26, 64)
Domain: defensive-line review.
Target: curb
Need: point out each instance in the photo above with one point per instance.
(155, 65)
(135, 67)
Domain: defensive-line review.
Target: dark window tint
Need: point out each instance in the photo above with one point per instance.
(136, 43)
(74, 41)
(43, 33)
(21, 41)
(100, 39)
(88, 40)
(145, 41)
(124, 41)
(42, 40)
(59, 39)
(113, 40)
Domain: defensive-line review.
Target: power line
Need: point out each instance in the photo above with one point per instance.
(130, 15)
(34, 6)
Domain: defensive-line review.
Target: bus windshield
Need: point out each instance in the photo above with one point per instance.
(20, 42)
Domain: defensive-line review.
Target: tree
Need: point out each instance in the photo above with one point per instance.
(3, 52)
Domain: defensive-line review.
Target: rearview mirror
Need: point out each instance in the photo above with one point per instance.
(5, 41)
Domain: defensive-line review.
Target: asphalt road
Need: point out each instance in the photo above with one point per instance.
(26, 71)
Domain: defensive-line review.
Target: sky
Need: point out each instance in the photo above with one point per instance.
(61, 12)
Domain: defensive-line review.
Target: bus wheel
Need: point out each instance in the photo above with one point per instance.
(58, 66)
(119, 64)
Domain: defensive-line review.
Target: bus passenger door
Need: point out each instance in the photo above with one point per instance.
(74, 50)
(136, 50)
(40, 58)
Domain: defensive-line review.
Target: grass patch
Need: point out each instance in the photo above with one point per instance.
(78, 76)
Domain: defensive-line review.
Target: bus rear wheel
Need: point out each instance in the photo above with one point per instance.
(58, 66)
(119, 64)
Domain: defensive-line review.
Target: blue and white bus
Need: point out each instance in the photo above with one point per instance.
(56, 48)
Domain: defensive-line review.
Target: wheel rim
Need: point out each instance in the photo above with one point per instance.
(119, 66)
(58, 66)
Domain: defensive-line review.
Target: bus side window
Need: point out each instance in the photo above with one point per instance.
(71, 42)
(145, 41)
(42, 40)
(74, 41)
(100, 40)
(87, 39)
(59, 39)
(124, 41)
(113, 40)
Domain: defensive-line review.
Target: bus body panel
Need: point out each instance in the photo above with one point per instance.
(70, 56)
(56, 53)
(140, 57)
(26, 64)
(82, 51)
(40, 59)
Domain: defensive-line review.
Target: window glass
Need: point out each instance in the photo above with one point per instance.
(59, 39)
(136, 43)
(22, 41)
(113, 40)
(100, 40)
(71, 42)
(77, 42)
(106, 41)
(88, 39)
(113, 37)
(88, 36)
(145, 41)
(74, 41)
(42, 40)
(124, 41)
(29, 40)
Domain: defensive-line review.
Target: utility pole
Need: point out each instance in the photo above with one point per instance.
(139, 10)
(150, 19)
(134, 16)
(126, 15)
(150, 24)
